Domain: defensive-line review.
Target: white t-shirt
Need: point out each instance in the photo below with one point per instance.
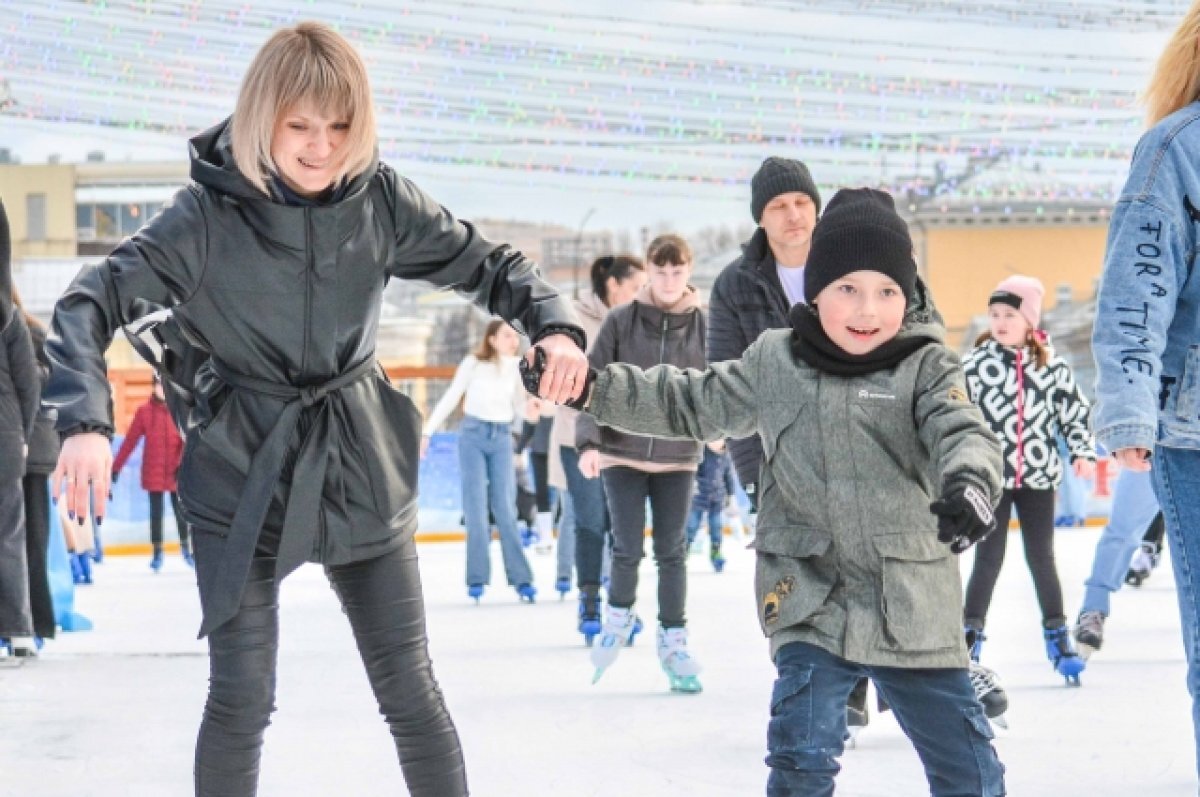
(493, 390)
(793, 283)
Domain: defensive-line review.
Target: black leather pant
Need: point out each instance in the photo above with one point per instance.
(382, 597)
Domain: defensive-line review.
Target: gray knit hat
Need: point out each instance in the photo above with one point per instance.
(780, 176)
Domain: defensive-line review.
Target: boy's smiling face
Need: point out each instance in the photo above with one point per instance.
(861, 311)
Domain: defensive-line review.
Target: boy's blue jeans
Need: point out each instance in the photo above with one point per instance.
(485, 462)
(1176, 473)
(1133, 507)
(936, 709)
(715, 524)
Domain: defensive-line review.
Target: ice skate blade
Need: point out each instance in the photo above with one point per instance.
(1086, 650)
(596, 675)
(999, 721)
(685, 684)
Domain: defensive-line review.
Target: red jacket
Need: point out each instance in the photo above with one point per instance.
(163, 450)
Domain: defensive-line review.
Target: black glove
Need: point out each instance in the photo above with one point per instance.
(531, 377)
(964, 514)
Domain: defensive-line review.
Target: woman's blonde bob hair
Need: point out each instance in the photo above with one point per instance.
(1176, 80)
(310, 64)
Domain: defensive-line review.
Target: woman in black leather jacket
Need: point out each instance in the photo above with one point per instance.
(273, 261)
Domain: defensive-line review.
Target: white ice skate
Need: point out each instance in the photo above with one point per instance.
(620, 625)
(989, 693)
(545, 533)
(679, 665)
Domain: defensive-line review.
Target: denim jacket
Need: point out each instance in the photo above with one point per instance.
(1145, 339)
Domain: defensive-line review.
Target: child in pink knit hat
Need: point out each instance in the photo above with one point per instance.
(1029, 398)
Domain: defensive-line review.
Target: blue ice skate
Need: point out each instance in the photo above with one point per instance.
(563, 585)
(527, 593)
(589, 613)
(475, 591)
(718, 561)
(1061, 652)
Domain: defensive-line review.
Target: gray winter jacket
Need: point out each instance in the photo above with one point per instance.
(848, 555)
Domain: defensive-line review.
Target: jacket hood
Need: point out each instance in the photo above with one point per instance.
(922, 318)
(591, 307)
(211, 154)
(687, 303)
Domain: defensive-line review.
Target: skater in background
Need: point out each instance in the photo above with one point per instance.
(19, 405)
(43, 456)
(161, 455)
(275, 257)
(1148, 555)
(615, 280)
(539, 460)
(489, 386)
(715, 488)
(663, 324)
(1029, 397)
(864, 415)
(1134, 507)
(1147, 314)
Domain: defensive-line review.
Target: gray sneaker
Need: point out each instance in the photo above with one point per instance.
(1089, 632)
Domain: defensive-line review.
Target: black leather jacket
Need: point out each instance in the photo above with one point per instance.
(294, 428)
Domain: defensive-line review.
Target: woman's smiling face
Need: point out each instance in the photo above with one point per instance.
(308, 149)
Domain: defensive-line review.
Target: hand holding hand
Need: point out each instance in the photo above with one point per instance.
(964, 514)
(568, 383)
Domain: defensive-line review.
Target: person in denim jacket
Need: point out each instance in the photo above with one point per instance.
(1146, 338)
(861, 404)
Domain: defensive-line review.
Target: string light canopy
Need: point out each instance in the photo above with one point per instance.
(951, 104)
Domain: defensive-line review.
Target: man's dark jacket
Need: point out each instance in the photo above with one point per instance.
(747, 299)
(297, 440)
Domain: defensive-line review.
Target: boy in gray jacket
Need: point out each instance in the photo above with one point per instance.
(878, 468)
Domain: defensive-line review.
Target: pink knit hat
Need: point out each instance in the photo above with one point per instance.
(1023, 294)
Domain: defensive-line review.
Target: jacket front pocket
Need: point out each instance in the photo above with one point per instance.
(793, 575)
(387, 432)
(921, 592)
(1181, 428)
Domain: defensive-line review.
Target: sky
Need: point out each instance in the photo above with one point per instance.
(631, 113)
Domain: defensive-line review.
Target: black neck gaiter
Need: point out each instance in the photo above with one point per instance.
(813, 346)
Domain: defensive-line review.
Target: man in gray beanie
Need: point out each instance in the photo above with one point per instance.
(756, 292)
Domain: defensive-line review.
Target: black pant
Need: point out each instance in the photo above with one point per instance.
(541, 480)
(156, 519)
(382, 597)
(591, 519)
(1035, 511)
(670, 495)
(37, 540)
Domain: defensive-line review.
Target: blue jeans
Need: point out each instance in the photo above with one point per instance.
(591, 519)
(566, 537)
(715, 524)
(936, 709)
(1133, 507)
(1176, 474)
(485, 461)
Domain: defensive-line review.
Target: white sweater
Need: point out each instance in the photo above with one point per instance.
(493, 389)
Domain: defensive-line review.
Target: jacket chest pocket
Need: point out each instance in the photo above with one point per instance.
(794, 574)
(921, 592)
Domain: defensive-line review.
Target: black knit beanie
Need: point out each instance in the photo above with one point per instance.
(860, 231)
(780, 176)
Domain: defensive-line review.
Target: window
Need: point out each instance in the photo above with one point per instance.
(85, 222)
(132, 218)
(106, 223)
(35, 215)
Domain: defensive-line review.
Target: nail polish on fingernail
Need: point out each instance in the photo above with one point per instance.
(71, 514)
(99, 520)
(80, 519)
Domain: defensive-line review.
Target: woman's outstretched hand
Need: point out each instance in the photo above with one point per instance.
(1135, 459)
(85, 463)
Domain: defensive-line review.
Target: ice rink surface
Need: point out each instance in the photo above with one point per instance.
(115, 711)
